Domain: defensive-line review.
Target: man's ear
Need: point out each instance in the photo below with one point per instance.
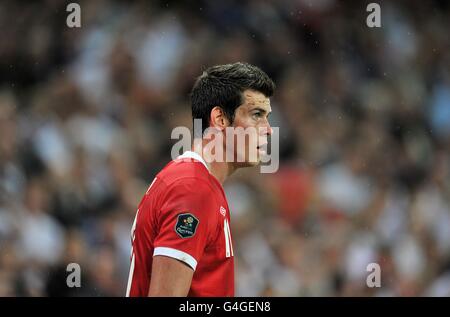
(218, 119)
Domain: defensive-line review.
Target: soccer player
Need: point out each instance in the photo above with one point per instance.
(181, 237)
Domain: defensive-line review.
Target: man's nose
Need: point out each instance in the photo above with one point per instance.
(268, 129)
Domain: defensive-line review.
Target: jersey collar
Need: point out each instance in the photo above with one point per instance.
(193, 155)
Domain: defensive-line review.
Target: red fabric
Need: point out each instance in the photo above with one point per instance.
(184, 186)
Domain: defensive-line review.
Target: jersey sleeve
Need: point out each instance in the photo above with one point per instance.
(184, 221)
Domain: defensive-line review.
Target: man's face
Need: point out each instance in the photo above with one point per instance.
(251, 129)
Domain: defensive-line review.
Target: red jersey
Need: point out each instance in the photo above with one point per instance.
(184, 215)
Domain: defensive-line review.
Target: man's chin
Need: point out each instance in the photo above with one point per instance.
(249, 163)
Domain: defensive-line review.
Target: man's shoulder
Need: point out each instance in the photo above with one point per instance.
(184, 171)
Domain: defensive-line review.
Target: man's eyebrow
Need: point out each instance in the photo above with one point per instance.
(262, 110)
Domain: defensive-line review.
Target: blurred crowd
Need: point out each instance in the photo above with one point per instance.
(86, 116)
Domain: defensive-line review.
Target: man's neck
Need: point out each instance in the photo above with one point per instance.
(220, 170)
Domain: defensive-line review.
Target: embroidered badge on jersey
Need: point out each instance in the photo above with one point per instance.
(186, 225)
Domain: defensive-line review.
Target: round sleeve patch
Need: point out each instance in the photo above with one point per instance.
(186, 225)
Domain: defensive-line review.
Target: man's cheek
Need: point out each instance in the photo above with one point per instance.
(252, 146)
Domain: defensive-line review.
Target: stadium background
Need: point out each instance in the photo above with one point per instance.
(86, 116)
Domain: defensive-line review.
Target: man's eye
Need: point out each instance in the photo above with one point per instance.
(257, 115)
